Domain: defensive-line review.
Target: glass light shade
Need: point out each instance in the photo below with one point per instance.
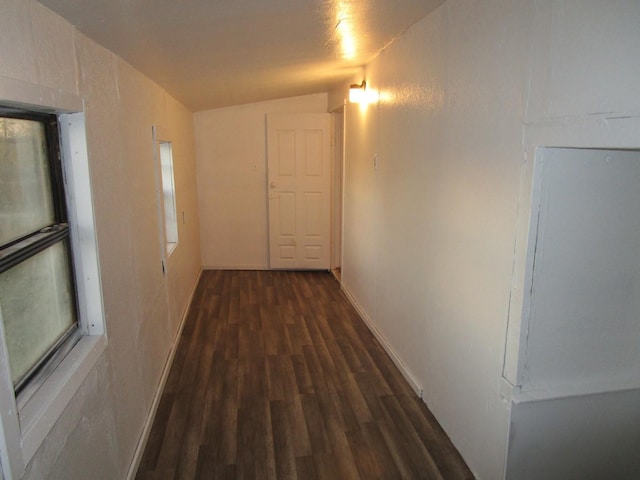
(356, 94)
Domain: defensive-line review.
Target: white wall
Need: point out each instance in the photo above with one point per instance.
(41, 54)
(232, 180)
(436, 237)
(429, 234)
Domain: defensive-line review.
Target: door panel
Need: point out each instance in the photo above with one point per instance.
(313, 213)
(313, 153)
(286, 153)
(299, 190)
(287, 214)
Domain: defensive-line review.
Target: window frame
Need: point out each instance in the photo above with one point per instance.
(168, 200)
(40, 240)
(23, 427)
(169, 234)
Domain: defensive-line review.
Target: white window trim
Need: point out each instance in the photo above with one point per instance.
(22, 432)
(160, 135)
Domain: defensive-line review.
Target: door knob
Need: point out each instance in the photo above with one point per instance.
(272, 184)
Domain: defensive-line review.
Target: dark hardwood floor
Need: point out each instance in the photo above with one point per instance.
(277, 377)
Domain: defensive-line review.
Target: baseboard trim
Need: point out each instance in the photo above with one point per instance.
(404, 370)
(146, 429)
(235, 267)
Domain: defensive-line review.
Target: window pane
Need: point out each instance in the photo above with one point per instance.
(168, 190)
(25, 189)
(37, 302)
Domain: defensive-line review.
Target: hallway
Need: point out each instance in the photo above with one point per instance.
(276, 377)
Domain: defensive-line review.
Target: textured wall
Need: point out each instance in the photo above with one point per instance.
(466, 95)
(98, 432)
(429, 233)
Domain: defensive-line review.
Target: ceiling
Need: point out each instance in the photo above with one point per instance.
(215, 53)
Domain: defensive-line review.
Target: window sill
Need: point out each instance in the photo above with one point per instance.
(40, 413)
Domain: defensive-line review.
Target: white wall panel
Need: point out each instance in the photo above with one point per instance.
(568, 32)
(585, 288)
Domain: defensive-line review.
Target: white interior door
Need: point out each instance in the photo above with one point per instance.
(298, 153)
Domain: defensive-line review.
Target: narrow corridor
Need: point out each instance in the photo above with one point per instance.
(277, 377)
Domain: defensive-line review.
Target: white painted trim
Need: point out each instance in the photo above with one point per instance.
(13, 464)
(235, 267)
(559, 392)
(166, 248)
(398, 362)
(522, 271)
(77, 179)
(146, 429)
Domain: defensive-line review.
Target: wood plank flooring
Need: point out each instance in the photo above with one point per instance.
(276, 377)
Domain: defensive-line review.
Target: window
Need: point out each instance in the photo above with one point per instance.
(168, 195)
(51, 312)
(37, 289)
(165, 192)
